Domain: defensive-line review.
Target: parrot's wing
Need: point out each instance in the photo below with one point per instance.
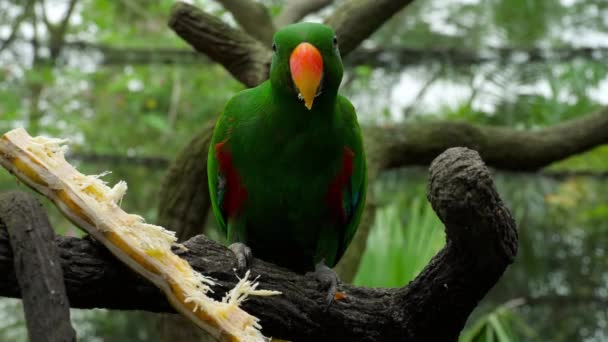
(228, 193)
(355, 187)
(225, 190)
(217, 182)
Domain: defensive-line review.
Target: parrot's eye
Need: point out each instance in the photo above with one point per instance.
(274, 47)
(335, 41)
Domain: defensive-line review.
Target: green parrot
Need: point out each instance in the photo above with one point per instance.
(286, 165)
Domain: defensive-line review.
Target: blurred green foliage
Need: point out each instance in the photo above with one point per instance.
(557, 290)
(401, 243)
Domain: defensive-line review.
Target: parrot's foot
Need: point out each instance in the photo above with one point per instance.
(244, 257)
(328, 281)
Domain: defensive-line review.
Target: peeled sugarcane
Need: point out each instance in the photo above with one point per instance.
(93, 206)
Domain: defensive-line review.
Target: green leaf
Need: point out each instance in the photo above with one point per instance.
(499, 329)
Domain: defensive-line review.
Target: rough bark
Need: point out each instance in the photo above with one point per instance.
(501, 147)
(246, 58)
(37, 268)
(184, 198)
(481, 243)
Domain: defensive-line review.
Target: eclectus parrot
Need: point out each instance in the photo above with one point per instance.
(286, 167)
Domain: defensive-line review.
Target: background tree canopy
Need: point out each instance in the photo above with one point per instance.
(130, 94)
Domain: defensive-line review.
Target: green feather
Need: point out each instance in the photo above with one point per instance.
(286, 157)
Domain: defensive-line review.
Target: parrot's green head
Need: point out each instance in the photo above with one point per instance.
(306, 62)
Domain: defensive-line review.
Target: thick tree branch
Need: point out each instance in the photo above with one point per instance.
(355, 20)
(253, 17)
(184, 198)
(482, 242)
(243, 56)
(294, 10)
(501, 147)
(247, 59)
(37, 268)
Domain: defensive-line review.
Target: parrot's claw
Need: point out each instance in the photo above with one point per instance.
(244, 257)
(328, 281)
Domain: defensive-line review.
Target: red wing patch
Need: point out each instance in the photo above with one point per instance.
(335, 195)
(231, 193)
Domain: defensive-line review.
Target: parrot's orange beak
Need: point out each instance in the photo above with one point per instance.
(306, 66)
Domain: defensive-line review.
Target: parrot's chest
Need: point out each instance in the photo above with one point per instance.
(289, 181)
(287, 203)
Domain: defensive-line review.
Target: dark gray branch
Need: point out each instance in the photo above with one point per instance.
(501, 147)
(481, 243)
(37, 268)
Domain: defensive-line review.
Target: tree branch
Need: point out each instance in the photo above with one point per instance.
(481, 243)
(37, 268)
(249, 60)
(294, 10)
(244, 57)
(501, 147)
(184, 198)
(253, 17)
(355, 20)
